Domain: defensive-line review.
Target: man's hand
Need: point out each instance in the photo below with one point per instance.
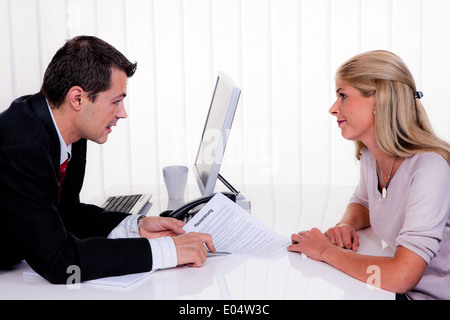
(155, 227)
(191, 248)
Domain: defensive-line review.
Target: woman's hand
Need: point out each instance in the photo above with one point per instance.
(343, 235)
(313, 243)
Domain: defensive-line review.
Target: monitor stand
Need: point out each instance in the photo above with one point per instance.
(240, 199)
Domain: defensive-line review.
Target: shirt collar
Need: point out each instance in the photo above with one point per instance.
(66, 150)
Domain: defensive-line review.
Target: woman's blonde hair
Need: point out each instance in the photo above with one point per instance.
(401, 123)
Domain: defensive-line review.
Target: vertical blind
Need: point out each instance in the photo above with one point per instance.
(282, 53)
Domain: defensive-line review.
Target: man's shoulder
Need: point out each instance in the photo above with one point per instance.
(22, 121)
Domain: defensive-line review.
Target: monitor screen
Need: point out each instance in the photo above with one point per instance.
(215, 133)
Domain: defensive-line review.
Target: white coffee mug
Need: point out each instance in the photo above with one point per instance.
(175, 178)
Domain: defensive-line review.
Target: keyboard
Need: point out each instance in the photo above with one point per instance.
(132, 203)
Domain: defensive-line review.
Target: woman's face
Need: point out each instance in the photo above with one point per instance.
(354, 113)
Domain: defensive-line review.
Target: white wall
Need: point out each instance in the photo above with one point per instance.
(283, 54)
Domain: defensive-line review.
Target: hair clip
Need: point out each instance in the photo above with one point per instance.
(418, 94)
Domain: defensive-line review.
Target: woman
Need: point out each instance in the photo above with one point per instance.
(404, 188)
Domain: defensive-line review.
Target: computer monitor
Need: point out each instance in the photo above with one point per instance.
(215, 134)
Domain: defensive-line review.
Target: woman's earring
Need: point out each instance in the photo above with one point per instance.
(374, 111)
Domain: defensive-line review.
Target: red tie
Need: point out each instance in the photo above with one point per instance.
(62, 174)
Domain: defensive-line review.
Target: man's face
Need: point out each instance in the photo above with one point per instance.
(98, 118)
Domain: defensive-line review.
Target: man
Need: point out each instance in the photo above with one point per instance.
(43, 141)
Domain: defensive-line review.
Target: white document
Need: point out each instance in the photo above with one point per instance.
(233, 230)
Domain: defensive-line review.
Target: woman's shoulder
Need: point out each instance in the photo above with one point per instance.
(418, 159)
(428, 159)
(428, 166)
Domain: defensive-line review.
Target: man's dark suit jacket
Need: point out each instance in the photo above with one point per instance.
(33, 226)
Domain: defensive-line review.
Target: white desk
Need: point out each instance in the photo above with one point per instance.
(286, 209)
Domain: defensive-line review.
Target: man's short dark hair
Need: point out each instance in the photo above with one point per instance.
(84, 61)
